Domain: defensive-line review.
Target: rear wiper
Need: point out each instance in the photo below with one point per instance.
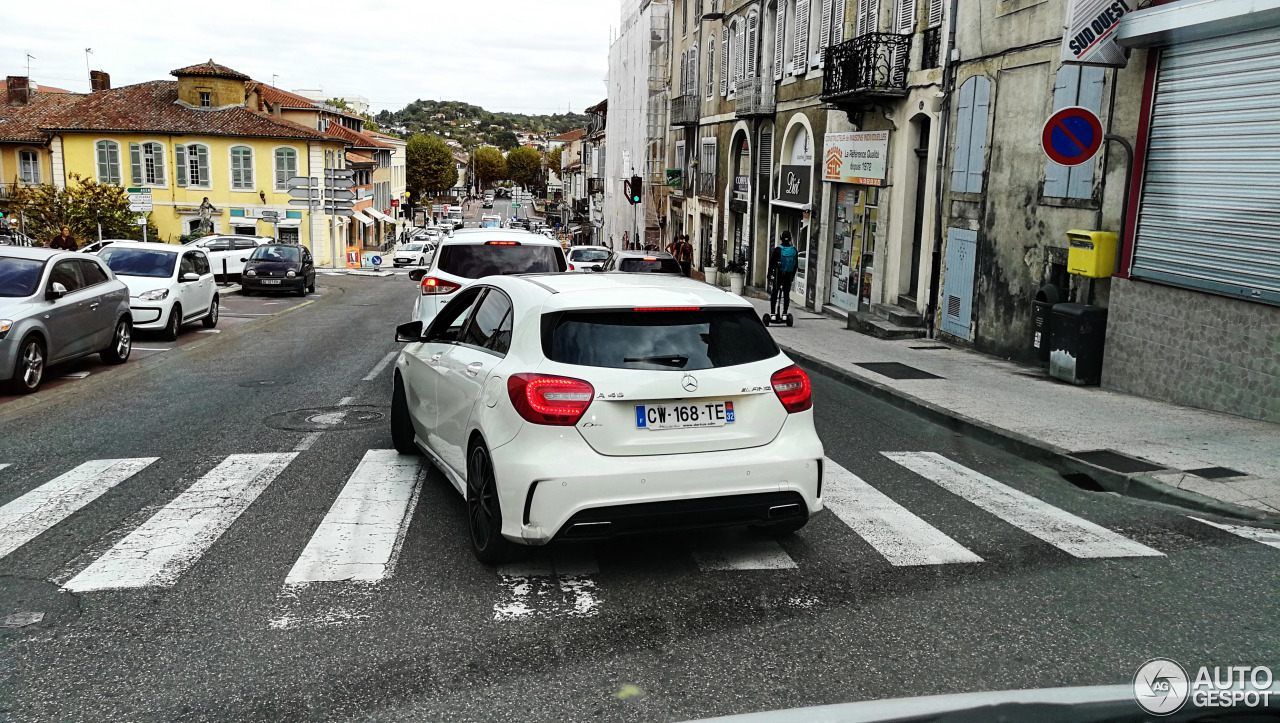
(666, 360)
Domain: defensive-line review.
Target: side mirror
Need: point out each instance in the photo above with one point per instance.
(190, 276)
(55, 291)
(417, 274)
(244, 258)
(410, 332)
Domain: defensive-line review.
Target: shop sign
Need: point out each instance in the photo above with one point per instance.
(1090, 36)
(742, 183)
(794, 186)
(860, 157)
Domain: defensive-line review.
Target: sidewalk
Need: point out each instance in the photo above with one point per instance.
(1072, 429)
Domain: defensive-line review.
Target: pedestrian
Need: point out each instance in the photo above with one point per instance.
(782, 267)
(682, 250)
(64, 241)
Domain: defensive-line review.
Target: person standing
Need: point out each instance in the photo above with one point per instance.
(782, 267)
(682, 250)
(63, 241)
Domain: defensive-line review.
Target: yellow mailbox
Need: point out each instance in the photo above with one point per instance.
(1092, 253)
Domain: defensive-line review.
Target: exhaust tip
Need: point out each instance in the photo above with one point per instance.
(588, 528)
(780, 511)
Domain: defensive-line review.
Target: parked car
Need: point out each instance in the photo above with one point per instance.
(477, 253)
(56, 306)
(630, 262)
(169, 285)
(279, 267)
(413, 254)
(582, 258)
(97, 246)
(227, 250)
(579, 406)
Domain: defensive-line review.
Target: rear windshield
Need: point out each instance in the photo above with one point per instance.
(474, 261)
(655, 266)
(668, 340)
(19, 277)
(588, 255)
(139, 262)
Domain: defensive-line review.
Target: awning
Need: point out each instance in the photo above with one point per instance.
(1182, 22)
(790, 204)
(289, 223)
(359, 216)
(379, 215)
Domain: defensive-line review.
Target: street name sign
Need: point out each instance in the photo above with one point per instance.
(139, 199)
(1071, 136)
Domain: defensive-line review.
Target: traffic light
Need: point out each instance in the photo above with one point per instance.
(633, 193)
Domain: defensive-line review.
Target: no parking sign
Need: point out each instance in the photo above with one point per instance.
(1072, 136)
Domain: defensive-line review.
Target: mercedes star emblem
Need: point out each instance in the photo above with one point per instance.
(689, 383)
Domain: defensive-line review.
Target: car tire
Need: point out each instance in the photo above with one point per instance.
(302, 290)
(210, 320)
(174, 326)
(121, 344)
(311, 288)
(28, 370)
(484, 512)
(401, 425)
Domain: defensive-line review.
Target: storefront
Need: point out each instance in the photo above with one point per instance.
(855, 166)
(792, 203)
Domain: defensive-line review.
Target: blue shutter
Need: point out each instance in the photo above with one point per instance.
(1080, 178)
(964, 127)
(957, 286)
(1065, 88)
(978, 134)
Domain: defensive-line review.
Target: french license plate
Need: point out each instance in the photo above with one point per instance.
(271, 281)
(684, 415)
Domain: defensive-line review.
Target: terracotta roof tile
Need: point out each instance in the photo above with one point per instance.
(210, 70)
(23, 124)
(572, 135)
(359, 140)
(275, 95)
(353, 157)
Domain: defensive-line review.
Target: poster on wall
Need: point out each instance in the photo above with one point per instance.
(860, 157)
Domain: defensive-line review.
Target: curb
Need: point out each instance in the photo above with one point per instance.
(1139, 486)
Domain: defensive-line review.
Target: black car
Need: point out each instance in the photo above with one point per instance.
(279, 267)
(644, 262)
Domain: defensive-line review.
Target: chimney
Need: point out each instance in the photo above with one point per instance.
(275, 108)
(98, 81)
(19, 89)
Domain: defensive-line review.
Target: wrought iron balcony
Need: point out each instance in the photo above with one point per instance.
(755, 97)
(710, 9)
(686, 110)
(929, 52)
(870, 66)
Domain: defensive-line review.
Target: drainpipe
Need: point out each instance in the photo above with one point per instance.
(948, 86)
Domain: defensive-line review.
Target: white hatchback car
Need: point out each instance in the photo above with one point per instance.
(465, 257)
(582, 258)
(580, 406)
(226, 251)
(169, 285)
(414, 253)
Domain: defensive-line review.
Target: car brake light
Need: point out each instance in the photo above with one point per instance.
(792, 387)
(650, 258)
(432, 286)
(571, 267)
(544, 399)
(667, 308)
(502, 243)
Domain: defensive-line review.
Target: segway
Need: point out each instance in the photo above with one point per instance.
(772, 316)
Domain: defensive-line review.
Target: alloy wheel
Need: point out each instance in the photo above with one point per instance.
(482, 501)
(124, 339)
(32, 364)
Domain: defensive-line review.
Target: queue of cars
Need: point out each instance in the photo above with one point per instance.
(583, 406)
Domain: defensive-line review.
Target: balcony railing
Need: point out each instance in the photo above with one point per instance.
(755, 97)
(710, 9)
(929, 51)
(686, 110)
(6, 190)
(707, 184)
(869, 66)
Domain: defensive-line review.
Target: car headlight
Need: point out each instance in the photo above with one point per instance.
(250, 272)
(5, 326)
(291, 273)
(154, 295)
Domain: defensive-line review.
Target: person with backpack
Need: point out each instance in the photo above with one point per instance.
(783, 260)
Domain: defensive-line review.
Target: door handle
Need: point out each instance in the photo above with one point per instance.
(95, 305)
(474, 368)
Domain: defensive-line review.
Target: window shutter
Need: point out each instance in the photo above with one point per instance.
(753, 42)
(824, 36)
(935, 13)
(1065, 86)
(684, 73)
(964, 128)
(866, 20)
(837, 23)
(1080, 178)
(711, 67)
(135, 164)
(739, 53)
(725, 49)
(765, 158)
(978, 135)
(180, 164)
(157, 159)
(694, 66)
(906, 17)
(202, 163)
(779, 39)
(800, 50)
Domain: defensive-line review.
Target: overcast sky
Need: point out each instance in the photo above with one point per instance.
(523, 56)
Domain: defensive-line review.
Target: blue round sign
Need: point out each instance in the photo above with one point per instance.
(1072, 136)
(377, 260)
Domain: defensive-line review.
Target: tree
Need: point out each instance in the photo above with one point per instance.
(81, 205)
(553, 159)
(505, 139)
(429, 166)
(524, 165)
(489, 165)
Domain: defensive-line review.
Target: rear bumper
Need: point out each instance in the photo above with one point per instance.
(551, 484)
(255, 284)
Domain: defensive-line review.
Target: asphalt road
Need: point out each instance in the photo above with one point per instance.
(658, 628)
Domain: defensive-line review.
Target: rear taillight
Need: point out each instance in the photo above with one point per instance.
(792, 387)
(571, 267)
(543, 399)
(432, 286)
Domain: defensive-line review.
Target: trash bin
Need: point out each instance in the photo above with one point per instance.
(1077, 335)
(1041, 310)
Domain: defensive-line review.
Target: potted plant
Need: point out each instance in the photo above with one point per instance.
(712, 273)
(737, 270)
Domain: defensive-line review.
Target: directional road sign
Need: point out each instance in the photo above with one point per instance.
(139, 208)
(339, 183)
(342, 212)
(339, 173)
(304, 202)
(340, 195)
(1072, 136)
(304, 192)
(270, 216)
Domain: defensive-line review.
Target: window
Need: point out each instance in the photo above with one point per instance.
(491, 327)
(711, 66)
(693, 70)
(708, 339)
(108, 162)
(28, 167)
(202, 264)
(971, 135)
(448, 324)
(245, 230)
(800, 41)
(739, 55)
(707, 166)
(241, 168)
(1075, 86)
(92, 273)
(206, 99)
(67, 273)
(19, 277)
(193, 165)
(753, 43)
(187, 265)
(287, 166)
(146, 162)
(244, 243)
(868, 17)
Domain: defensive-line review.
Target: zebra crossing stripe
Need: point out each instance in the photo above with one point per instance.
(5, 464)
(165, 546)
(739, 550)
(1267, 537)
(1071, 534)
(360, 537)
(894, 531)
(27, 517)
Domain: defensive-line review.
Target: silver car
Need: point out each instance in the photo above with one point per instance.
(56, 306)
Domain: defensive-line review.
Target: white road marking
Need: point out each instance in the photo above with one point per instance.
(1065, 531)
(308, 440)
(894, 531)
(27, 517)
(210, 331)
(556, 584)
(377, 368)
(1267, 537)
(345, 401)
(360, 537)
(5, 464)
(139, 348)
(739, 550)
(74, 375)
(165, 546)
